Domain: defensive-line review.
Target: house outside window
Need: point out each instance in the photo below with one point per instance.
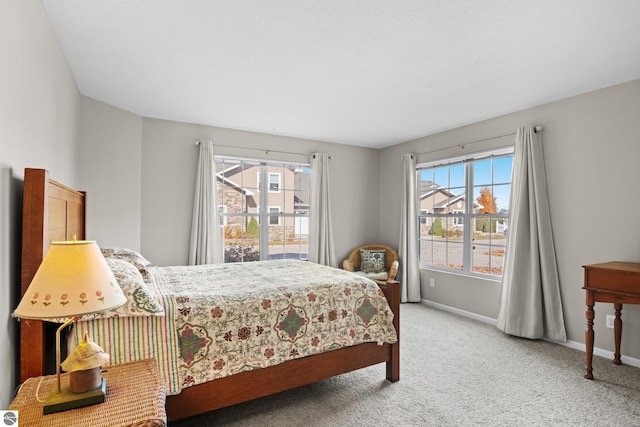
(463, 213)
(278, 230)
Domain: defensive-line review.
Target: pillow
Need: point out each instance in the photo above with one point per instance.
(140, 300)
(128, 255)
(372, 261)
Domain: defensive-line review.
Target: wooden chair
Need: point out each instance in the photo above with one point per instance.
(391, 263)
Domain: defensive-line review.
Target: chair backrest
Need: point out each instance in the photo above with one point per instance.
(390, 256)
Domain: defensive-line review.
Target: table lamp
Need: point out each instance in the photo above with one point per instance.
(73, 279)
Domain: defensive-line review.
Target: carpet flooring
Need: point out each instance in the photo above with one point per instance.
(454, 371)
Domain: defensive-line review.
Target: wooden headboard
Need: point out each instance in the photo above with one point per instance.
(50, 212)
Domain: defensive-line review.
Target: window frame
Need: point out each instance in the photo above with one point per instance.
(292, 233)
(467, 218)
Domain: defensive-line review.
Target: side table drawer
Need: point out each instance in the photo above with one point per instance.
(620, 279)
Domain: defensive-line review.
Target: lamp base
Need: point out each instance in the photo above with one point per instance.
(57, 402)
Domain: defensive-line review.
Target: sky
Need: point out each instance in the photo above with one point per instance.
(494, 172)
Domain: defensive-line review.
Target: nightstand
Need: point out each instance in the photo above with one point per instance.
(613, 282)
(135, 397)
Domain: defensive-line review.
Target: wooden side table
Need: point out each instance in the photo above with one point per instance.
(613, 282)
(135, 397)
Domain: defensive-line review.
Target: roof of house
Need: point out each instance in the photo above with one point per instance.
(429, 188)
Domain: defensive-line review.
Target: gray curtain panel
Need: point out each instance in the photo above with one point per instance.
(206, 246)
(530, 302)
(408, 247)
(321, 241)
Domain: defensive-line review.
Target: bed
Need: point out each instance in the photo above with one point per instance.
(52, 211)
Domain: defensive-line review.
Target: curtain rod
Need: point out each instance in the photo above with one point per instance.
(536, 129)
(259, 149)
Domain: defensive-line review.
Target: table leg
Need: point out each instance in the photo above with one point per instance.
(617, 330)
(588, 336)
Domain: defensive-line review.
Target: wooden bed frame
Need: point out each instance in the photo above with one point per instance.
(52, 211)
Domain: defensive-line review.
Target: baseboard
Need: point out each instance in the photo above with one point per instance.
(626, 360)
(631, 361)
(464, 313)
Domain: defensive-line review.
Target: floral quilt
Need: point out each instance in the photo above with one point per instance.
(237, 317)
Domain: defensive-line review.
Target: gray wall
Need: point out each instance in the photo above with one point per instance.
(140, 177)
(592, 149)
(110, 172)
(39, 122)
(168, 181)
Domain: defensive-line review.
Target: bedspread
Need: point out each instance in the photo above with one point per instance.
(229, 318)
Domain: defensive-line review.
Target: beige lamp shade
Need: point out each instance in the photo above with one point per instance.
(73, 279)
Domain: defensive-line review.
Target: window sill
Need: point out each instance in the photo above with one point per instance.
(462, 273)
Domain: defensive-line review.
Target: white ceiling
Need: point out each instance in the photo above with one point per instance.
(362, 72)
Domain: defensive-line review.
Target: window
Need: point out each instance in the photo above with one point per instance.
(274, 215)
(423, 220)
(274, 182)
(223, 219)
(280, 229)
(458, 218)
(463, 213)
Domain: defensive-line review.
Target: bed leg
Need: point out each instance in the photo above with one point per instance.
(393, 366)
(391, 290)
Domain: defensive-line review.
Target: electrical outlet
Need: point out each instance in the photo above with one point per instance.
(432, 282)
(610, 319)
